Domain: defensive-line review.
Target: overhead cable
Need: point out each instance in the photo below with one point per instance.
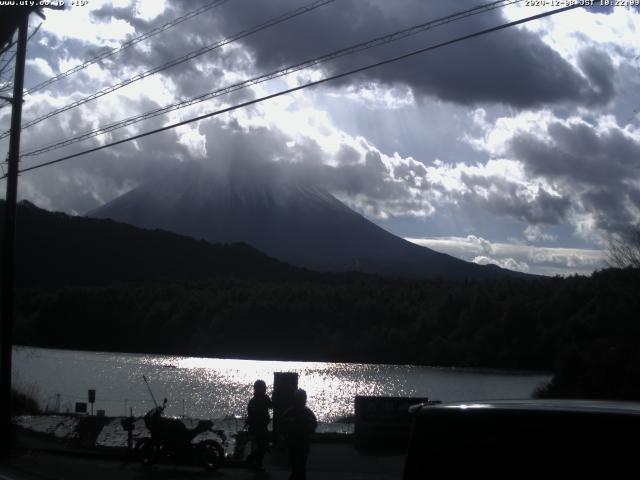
(178, 61)
(398, 35)
(125, 45)
(307, 85)
(7, 86)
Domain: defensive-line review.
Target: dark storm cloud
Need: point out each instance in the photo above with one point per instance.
(544, 208)
(109, 11)
(634, 197)
(81, 185)
(191, 78)
(598, 68)
(608, 208)
(78, 121)
(594, 167)
(368, 179)
(409, 172)
(511, 67)
(347, 155)
(252, 155)
(510, 199)
(579, 154)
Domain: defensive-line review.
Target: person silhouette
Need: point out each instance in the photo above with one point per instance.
(257, 420)
(296, 425)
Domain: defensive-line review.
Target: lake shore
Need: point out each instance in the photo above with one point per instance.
(108, 434)
(217, 387)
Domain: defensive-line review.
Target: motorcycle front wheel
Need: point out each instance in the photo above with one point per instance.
(146, 451)
(210, 454)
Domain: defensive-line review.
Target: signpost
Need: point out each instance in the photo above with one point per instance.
(92, 399)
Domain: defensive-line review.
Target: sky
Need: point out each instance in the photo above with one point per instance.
(519, 148)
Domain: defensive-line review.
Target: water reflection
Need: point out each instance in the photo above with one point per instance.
(217, 388)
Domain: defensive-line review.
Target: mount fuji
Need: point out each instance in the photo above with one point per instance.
(290, 220)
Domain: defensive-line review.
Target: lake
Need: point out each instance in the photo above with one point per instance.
(219, 387)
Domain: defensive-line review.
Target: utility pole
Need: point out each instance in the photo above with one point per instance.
(8, 253)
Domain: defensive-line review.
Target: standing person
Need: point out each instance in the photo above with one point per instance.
(297, 424)
(258, 419)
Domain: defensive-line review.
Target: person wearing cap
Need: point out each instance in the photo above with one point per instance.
(257, 420)
(296, 425)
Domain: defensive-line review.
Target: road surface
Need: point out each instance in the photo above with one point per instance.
(327, 461)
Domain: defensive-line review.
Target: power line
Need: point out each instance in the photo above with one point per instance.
(10, 44)
(177, 61)
(9, 85)
(307, 85)
(127, 44)
(6, 64)
(395, 36)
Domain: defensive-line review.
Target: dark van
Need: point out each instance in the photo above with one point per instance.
(521, 439)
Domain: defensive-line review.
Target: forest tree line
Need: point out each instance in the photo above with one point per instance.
(584, 329)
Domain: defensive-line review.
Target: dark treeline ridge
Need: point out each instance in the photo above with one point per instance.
(585, 329)
(55, 249)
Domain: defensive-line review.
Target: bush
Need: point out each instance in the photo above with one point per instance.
(23, 404)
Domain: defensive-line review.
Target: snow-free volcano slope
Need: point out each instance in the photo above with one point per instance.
(290, 220)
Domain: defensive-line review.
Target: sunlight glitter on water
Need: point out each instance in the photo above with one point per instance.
(320, 380)
(219, 388)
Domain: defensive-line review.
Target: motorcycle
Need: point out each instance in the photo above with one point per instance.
(171, 441)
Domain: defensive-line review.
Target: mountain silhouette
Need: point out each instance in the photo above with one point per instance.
(287, 219)
(56, 249)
